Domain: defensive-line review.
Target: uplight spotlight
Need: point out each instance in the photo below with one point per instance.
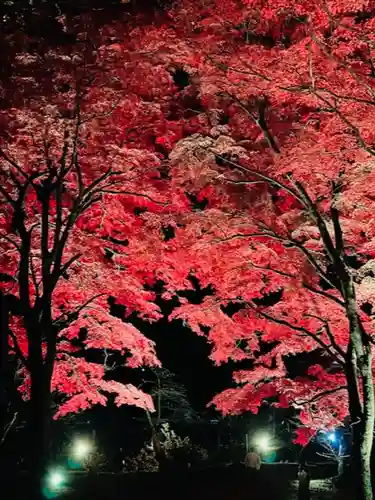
(55, 479)
(331, 437)
(82, 449)
(263, 442)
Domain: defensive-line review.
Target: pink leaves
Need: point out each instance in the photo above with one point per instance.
(83, 385)
(107, 205)
(128, 394)
(104, 331)
(303, 435)
(246, 398)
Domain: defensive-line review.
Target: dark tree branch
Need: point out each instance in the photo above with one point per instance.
(17, 349)
(300, 329)
(320, 395)
(267, 179)
(324, 294)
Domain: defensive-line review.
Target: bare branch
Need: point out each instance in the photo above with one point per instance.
(101, 115)
(259, 120)
(66, 266)
(339, 239)
(340, 62)
(7, 238)
(8, 428)
(226, 67)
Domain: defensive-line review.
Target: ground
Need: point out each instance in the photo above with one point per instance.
(276, 482)
(320, 489)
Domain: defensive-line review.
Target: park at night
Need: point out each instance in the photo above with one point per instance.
(187, 249)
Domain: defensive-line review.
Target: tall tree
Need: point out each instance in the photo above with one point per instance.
(83, 204)
(284, 161)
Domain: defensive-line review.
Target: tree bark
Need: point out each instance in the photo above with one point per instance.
(39, 422)
(303, 485)
(368, 425)
(3, 366)
(359, 370)
(362, 417)
(158, 449)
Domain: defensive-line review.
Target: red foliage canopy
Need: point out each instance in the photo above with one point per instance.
(284, 156)
(83, 202)
(273, 130)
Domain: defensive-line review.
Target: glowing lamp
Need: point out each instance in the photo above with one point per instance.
(263, 443)
(331, 437)
(55, 479)
(82, 449)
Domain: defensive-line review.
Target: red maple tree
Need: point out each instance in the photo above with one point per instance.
(83, 204)
(283, 156)
(276, 138)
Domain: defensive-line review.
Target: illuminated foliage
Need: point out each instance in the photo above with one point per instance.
(286, 169)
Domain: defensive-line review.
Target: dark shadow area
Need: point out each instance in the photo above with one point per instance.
(235, 483)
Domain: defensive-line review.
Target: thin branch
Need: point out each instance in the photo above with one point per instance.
(101, 115)
(276, 271)
(7, 238)
(67, 264)
(290, 242)
(355, 75)
(356, 131)
(8, 428)
(300, 329)
(7, 196)
(265, 178)
(318, 219)
(339, 238)
(71, 316)
(259, 120)
(332, 339)
(17, 167)
(329, 335)
(321, 395)
(89, 190)
(33, 276)
(226, 67)
(17, 349)
(221, 176)
(324, 294)
(131, 193)
(233, 237)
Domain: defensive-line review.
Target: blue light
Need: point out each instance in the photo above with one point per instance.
(331, 437)
(270, 457)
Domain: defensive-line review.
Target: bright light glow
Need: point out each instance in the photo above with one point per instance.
(82, 448)
(263, 442)
(332, 437)
(55, 479)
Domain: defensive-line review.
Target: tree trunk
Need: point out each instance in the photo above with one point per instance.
(39, 432)
(303, 484)
(3, 367)
(362, 417)
(359, 370)
(158, 449)
(368, 431)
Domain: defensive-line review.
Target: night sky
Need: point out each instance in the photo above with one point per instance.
(183, 352)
